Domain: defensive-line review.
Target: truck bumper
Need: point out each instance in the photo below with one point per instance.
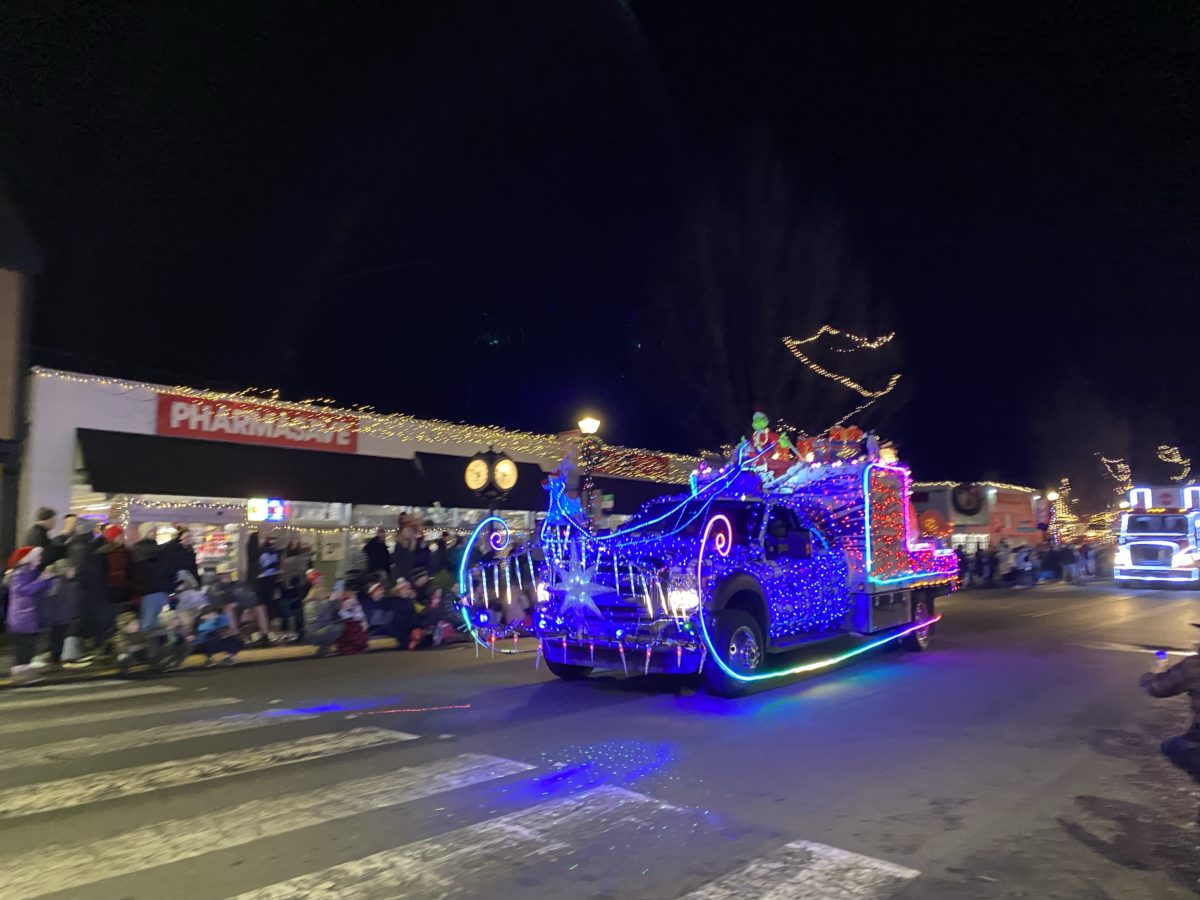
(676, 659)
(1157, 573)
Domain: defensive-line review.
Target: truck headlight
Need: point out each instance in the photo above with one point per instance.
(1183, 560)
(1121, 558)
(681, 602)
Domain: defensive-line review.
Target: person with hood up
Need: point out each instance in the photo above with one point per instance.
(83, 558)
(26, 586)
(1182, 678)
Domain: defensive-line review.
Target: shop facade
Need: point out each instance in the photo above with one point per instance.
(228, 465)
(977, 514)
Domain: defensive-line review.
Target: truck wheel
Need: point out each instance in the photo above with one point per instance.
(918, 641)
(739, 641)
(568, 672)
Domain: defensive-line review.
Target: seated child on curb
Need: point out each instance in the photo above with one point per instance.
(211, 638)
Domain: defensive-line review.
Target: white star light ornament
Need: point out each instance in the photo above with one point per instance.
(577, 586)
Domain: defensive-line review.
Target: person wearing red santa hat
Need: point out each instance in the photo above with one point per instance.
(26, 585)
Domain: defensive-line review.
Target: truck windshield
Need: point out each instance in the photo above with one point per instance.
(688, 519)
(1159, 524)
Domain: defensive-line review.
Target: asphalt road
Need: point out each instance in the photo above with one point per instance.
(1017, 758)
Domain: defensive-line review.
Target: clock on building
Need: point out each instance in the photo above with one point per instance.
(477, 474)
(504, 473)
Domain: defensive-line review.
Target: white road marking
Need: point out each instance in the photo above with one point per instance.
(470, 855)
(71, 686)
(65, 793)
(1134, 648)
(33, 701)
(803, 870)
(79, 748)
(63, 866)
(109, 714)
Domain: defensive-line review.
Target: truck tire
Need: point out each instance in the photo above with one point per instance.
(739, 641)
(922, 608)
(568, 672)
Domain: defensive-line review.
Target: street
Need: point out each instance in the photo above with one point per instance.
(1017, 758)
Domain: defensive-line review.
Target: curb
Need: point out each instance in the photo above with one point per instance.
(249, 656)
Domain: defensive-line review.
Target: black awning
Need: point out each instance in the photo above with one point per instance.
(122, 463)
(146, 464)
(446, 477)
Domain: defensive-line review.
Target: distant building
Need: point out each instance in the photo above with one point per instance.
(977, 514)
(19, 261)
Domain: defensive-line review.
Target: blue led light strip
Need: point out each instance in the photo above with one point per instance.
(721, 543)
(468, 605)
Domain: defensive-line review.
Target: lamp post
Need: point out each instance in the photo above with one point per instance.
(589, 426)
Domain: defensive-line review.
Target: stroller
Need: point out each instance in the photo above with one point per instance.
(156, 651)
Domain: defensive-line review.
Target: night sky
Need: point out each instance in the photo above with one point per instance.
(465, 211)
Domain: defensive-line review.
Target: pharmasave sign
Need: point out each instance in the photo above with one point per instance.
(254, 423)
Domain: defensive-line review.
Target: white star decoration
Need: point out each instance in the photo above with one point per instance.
(577, 586)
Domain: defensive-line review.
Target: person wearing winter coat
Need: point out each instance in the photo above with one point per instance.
(354, 628)
(153, 579)
(376, 552)
(181, 555)
(26, 587)
(1182, 678)
(211, 636)
(38, 534)
(322, 624)
(83, 558)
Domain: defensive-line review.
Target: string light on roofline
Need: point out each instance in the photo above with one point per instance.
(629, 462)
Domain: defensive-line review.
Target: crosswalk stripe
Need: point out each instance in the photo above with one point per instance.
(33, 701)
(119, 783)
(803, 870)
(61, 867)
(110, 714)
(33, 690)
(477, 851)
(80, 748)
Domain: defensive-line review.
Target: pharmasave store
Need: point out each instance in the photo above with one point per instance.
(227, 465)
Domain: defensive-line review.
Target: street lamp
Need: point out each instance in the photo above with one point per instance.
(1052, 496)
(588, 446)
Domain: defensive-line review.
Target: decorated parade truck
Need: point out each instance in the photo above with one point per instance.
(787, 547)
(1158, 536)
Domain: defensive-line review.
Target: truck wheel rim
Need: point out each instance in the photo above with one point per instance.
(921, 634)
(744, 650)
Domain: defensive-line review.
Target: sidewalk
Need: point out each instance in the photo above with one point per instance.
(249, 656)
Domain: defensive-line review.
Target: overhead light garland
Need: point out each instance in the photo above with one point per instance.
(1118, 470)
(626, 462)
(1172, 455)
(793, 346)
(857, 342)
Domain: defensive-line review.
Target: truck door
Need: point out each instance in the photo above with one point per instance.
(804, 581)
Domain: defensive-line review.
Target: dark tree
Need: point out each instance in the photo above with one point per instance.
(752, 264)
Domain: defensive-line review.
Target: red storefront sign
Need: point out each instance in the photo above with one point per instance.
(255, 423)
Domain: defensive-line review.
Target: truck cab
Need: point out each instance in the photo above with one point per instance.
(1158, 537)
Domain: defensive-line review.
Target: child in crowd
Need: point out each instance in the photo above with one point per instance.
(354, 632)
(26, 586)
(211, 636)
(322, 623)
